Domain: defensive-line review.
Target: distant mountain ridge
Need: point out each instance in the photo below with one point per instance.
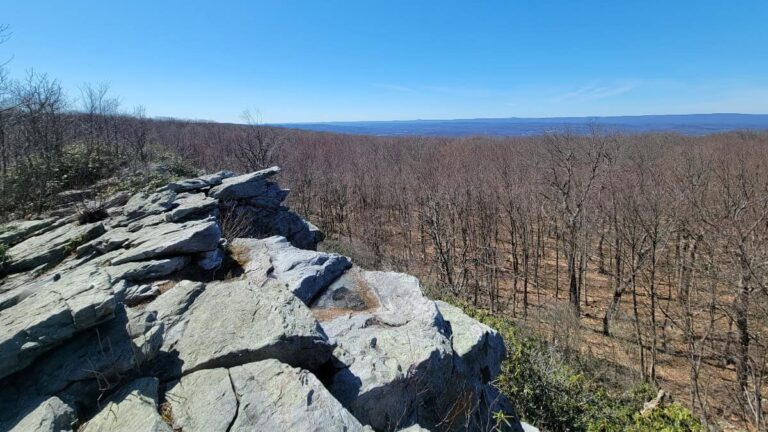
(688, 124)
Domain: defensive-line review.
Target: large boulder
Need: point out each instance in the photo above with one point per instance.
(248, 186)
(241, 321)
(89, 311)
(394, 350)
(96, 360)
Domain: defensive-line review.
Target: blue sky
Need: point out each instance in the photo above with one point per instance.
(325, 60)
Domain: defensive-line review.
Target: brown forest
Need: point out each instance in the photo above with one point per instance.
(644, 250)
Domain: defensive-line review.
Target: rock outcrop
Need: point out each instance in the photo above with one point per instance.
(149, 320)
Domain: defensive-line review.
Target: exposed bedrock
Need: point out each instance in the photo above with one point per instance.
(149, 320)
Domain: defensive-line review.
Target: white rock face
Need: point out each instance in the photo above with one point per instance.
(151, 310)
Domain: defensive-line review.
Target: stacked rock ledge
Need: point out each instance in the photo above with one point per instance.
(150, 320)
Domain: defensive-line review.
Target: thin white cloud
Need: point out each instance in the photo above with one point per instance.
(595, 91)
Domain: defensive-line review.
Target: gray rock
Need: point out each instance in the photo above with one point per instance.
(478, 353)
(140, 293)
(210, 260)
(270, 195)
(203, 401)
(144, 204)
(59, 308)
(14, 232)
(305, 273)
(242, 321)
(145, 222)
(132, 409)
(111, 240)
(299, 232)
(117, 199)
(274, 396)
(16, 287)
(45, 415)
(480, 348)
(96, 360)
(244, 186)
(348, 294)
(172, 306)
(396, 355)
(148, 270)
(199, 183)
(171, 239)
(51, 247)
(192, 206)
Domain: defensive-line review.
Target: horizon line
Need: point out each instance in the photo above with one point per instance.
(586, 117)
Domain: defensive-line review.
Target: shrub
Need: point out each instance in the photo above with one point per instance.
(557, 390)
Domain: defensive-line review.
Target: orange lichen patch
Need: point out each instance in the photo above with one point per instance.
(363, 290)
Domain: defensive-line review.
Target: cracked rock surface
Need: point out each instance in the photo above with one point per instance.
(148, 320)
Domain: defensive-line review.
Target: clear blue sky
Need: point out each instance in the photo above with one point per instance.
(329, 60)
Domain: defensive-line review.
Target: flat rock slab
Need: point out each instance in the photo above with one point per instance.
(132, 409)
(51, 247)
(59, 308)
(274, 396)
(242, 321)
(14, 232)
(170, 239)
(146, 270)
(191, 206)
(146, 204)
(203, 401)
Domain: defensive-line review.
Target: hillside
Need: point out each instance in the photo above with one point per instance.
(691, 124)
